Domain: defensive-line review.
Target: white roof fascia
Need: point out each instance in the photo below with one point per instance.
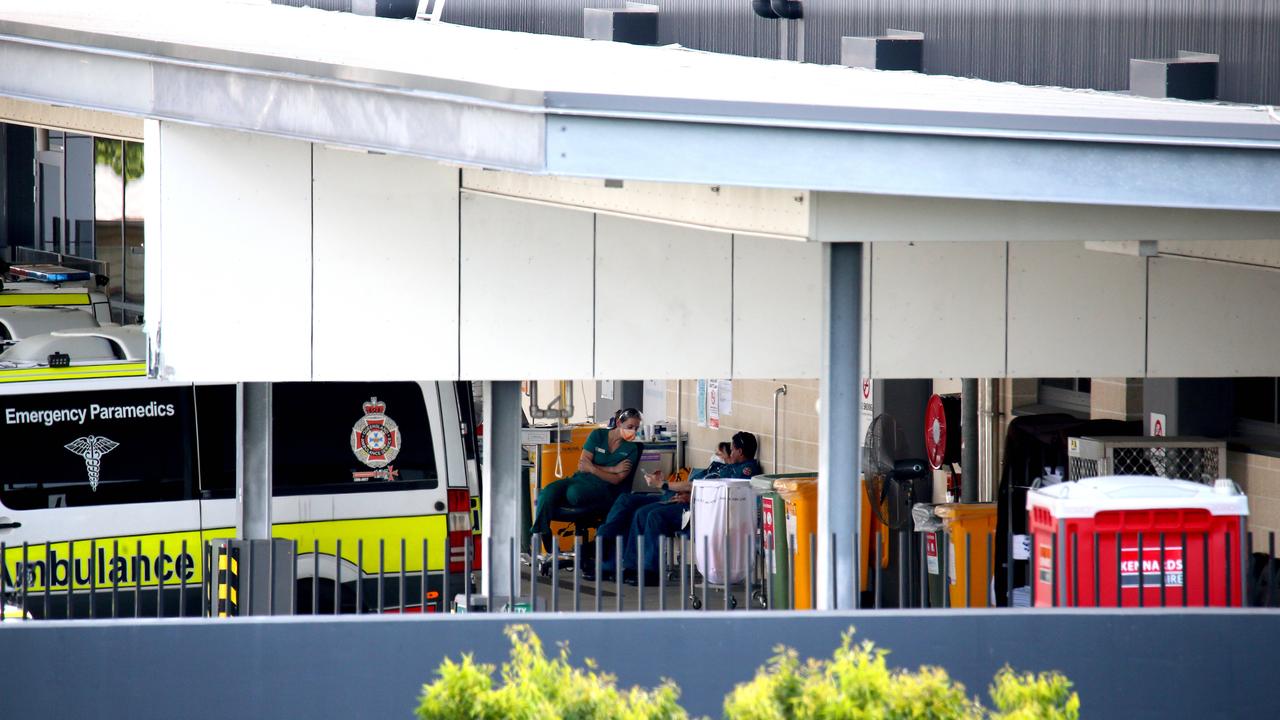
(565, 106)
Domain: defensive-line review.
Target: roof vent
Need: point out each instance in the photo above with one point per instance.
(764, 8)
(788, 10)
(895, 50)
(1189, 76)
(636, 24)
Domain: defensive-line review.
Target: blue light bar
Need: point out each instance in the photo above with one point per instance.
(49, 273)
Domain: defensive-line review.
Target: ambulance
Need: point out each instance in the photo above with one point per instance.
(111, 489)
(54, 326)
(46, 285)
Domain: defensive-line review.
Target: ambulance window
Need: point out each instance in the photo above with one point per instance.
(351, 437)
(216, 428)
(467, 419)
(96, 448)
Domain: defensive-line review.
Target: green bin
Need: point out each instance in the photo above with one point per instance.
(771, 521)
(930, 527)
(935, 559)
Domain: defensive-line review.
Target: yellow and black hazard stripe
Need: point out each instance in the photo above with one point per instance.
(74, 372)
(43, 299)
(228, 580)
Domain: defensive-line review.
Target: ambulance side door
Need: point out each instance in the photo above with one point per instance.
(99, 470)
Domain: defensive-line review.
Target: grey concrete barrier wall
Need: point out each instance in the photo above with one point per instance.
(1134, 664)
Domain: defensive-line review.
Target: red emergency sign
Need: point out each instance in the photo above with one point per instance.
(766, 521)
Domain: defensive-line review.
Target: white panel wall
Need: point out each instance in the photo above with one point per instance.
(526, 290)
(268, 260)
(938, 309)
(1213, 319)
(236, 235)
(777, 308)
(663, 301)
(386, 267)
(1075, 312)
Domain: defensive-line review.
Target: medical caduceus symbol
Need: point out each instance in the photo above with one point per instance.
(92, 448)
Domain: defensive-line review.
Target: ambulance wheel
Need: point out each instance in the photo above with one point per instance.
(695, 602)
(325, 592)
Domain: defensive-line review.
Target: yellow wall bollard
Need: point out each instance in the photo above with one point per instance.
(228, 581)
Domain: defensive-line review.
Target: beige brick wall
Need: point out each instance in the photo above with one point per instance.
(753, 412)
(1016, 392)
(1116, 399)
(1259, 475)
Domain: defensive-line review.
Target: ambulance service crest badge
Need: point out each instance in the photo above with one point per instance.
(375, 438)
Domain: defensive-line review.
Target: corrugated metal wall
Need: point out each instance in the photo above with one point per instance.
(1080, 43)
(339, 5)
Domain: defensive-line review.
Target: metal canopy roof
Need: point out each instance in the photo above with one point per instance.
(564, 106)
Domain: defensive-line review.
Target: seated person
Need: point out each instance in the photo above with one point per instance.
(723, 450)
(624, 509)
(666, 517)
(604, 472)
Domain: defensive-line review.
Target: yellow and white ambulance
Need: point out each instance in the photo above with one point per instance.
(53, 326)
(110, 490)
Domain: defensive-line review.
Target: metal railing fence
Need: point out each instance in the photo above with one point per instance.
(220, 579)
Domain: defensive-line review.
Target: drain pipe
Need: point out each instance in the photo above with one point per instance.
(969, 440)
(782, 390)
(989, 409)
(679, 415)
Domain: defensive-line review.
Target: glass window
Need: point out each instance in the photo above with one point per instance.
(1255, 399)
(135, 213)
(216, 440)
(80, 161)
(96, 448)
(1083, 385)
(467, 419)
(1071, 394)
(17, 191)
(50, 165)
(119, 212)
(314, 425)
(108, 214)
(317, 425)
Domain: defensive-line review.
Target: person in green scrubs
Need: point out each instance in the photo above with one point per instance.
(604, 469)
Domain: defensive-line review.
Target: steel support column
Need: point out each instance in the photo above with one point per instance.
(253, 460)
(501, 477)
(839, 496)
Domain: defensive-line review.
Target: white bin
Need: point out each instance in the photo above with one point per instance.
(720, 508)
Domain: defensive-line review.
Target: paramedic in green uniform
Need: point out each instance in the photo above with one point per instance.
(608, 456)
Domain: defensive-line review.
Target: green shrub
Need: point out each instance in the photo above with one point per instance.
(535, 687)
(855, 683)
(1046, 696)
